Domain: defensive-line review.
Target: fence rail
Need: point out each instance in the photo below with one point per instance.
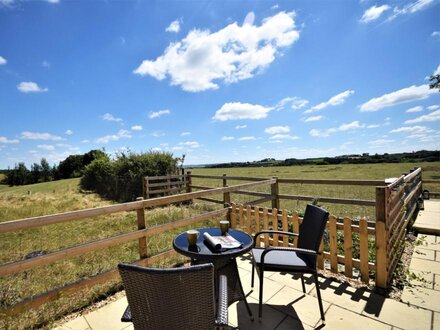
(395, 204)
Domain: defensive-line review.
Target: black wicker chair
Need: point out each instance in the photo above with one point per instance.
(301, 259)
(174, 298)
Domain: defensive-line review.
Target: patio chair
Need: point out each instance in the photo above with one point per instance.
(174, 298)
(300, 259)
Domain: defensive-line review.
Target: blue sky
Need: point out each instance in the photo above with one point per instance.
(218, 81)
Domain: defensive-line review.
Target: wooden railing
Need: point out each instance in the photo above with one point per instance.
(395, 206)
(141, 235)
(342, 238)
(275, 197)
(154, 186)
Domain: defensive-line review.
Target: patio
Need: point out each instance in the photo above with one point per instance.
(345, 307)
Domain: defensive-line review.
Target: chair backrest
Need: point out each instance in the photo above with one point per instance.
(171, 298)
(312, 227)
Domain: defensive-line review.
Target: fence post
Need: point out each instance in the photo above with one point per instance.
(141, 225)
(274, 193)
(226, 198)
(188, 184)
(146, 188)
(381, 237)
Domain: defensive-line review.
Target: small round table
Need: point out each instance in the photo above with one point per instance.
(224, 261)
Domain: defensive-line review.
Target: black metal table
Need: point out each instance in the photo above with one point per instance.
(224, 261)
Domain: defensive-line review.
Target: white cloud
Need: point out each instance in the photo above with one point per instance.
(6, 3)
(85, 141)
(185, 133)
(435, 34)
(227, 138)
(246, 138)
(53, 1)
(39, 136)
(203, 58)
(110, 117)
(380, 142)
(275, 7)
(238, 110)
(158, 114)
(68, 132)
(114, 137)
(240, 126)
(333, 101)
(437, 71)
(30, 87)
(373, 126)
(433, 107)
(45, 64)
(136, 128)
(157, 134)
(313, 118)
(415, 109)
(412, 129)
(344, 127)
(47, 147)
(190, 144)
(283, 137)
(404, 95)
(3, 61)
(277, 129)
(6, 140)
(294, 102)
(410, 8)
(173, 27)
(433, 116)
(373, 13)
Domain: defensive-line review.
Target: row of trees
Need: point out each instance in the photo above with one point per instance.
(72, 167)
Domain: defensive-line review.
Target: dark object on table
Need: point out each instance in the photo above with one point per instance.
(301, 259)
(174, 298)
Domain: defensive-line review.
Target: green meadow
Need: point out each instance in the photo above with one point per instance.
(65, 195)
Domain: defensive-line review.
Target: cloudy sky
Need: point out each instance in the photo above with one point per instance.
(217, 81)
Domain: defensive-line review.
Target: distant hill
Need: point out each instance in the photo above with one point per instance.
(365, 158)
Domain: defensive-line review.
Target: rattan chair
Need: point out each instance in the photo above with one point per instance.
(174, 298)
(300, 259)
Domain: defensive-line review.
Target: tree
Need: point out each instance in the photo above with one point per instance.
(45, 170)
(35, 174)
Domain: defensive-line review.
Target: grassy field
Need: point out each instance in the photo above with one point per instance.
(349, 171)
(63, 196)
(58, 197)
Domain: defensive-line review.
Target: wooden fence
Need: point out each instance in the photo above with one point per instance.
(395, 204)
(141, 235)
(344, 236)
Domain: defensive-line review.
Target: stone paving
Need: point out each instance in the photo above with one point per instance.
(286, 307)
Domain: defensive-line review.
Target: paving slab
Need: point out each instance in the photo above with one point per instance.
(422, 297)
(339, 318)
(421, 253)
(425, 265)
(428, 220)
(397, 314)
(78, 323)
(297, 305)
(109, 316)
(342, 295)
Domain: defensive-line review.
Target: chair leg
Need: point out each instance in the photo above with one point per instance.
(318, 292)
(260, 300)
(252, 276)
(302, 283)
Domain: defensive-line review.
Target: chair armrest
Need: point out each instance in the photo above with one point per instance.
(288, 233)
(222, 308)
